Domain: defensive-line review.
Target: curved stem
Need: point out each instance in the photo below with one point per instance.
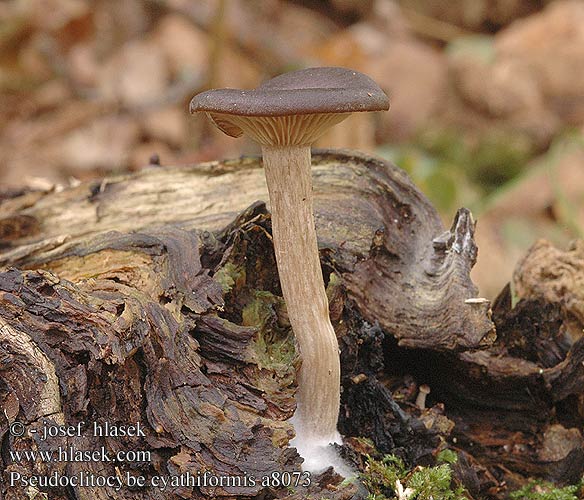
(288, 175)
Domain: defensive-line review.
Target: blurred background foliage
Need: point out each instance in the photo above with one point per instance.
(487, 96)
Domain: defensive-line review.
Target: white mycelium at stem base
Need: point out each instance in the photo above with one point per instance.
(289, 180)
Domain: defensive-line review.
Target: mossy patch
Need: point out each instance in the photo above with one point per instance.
(542, 490)
(489, 160)
(389, 479)
(456, 169)
(274, 344)
(230, 276)
(447, 457)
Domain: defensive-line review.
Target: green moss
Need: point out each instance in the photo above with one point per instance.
(499, 157)
(229, 275)
(430, 483)
(489, 160)
(447, 144)
(383, 477)
(541, 490)
(447, 457)
(334, 284)
(274, 344)
(455, 168)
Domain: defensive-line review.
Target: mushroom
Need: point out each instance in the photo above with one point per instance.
(285, 115)
(423, 391)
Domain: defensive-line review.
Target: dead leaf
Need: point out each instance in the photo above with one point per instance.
(136, 75)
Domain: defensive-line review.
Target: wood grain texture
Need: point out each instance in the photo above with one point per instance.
(154, 298)
(374, 228)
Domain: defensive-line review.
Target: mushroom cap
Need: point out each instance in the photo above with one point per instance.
(307, 91)
(293, 108)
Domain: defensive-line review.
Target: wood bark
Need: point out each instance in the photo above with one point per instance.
(153, 298)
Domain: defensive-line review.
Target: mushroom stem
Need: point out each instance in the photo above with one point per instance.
(423, 391)
(289, 180)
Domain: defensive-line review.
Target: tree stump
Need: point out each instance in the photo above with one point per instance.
(145, 351)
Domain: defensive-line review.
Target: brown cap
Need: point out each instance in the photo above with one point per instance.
(293, 108)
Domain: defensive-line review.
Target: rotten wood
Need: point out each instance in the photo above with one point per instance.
(153, 298)
(375, 229)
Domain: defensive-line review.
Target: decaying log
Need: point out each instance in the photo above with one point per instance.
(153, 298)
(375, 229)
(556, 276)
(518, 403)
